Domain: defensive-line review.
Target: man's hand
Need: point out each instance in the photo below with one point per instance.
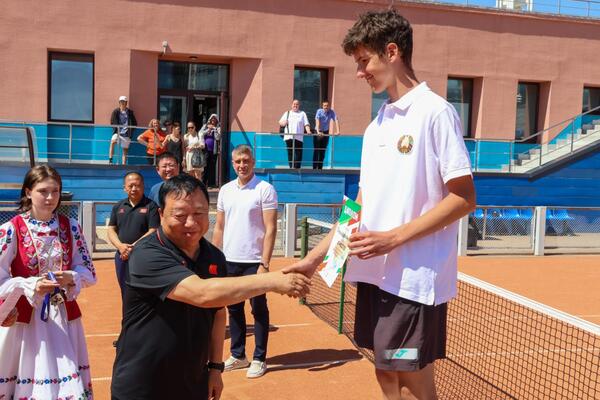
(125, 251)
(303, 266)
(372, 244)
(11, 318)
(293, 284)
(215, 384)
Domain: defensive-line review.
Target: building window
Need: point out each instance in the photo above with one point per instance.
(71, 87)
(591, 100)
(193, 76)
(377, 100)
(460, 95)
(311, 88)
(527, 110)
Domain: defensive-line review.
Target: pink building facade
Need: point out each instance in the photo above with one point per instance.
(260, 46)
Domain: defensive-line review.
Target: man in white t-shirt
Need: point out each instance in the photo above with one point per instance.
(415, 183)
(296, 124)
(245, 229)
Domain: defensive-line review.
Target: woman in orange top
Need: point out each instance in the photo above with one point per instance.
(153, 139)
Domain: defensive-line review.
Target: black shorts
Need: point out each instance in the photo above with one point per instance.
(403, 334)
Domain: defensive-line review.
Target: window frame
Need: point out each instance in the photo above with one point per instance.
(469, 127)
(596, 88)
(528, 138)
(324, 87)
(66, 56)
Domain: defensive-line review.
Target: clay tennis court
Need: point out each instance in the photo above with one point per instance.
(308, 359)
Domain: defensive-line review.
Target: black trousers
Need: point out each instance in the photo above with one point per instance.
(320, 145)
(210, 170)
(294, 150)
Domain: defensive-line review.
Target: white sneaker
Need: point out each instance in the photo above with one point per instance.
(257, 369)
(235, 363)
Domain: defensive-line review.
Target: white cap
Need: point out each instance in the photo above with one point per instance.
(123, 98)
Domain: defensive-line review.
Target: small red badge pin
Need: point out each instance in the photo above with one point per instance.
(212, 269)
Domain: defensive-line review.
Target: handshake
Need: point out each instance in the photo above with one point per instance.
(294, 280)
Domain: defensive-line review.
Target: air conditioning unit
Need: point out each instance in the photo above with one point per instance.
(517, 5)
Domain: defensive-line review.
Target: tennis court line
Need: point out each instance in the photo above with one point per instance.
(274, 326)
(275, 366)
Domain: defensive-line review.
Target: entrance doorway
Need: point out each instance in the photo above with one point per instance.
(193, 92)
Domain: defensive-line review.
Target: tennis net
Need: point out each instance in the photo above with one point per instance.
(500, 345)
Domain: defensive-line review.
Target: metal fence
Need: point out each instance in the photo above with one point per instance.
(572, 229)
(571, 8)
(534, 230)
(71, 209)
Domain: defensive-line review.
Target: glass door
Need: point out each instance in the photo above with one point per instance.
(172, 108)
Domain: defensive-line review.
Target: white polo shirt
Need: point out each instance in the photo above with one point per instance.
(412, 148)
(244, 228)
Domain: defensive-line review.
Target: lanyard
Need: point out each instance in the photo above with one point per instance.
(46, 304)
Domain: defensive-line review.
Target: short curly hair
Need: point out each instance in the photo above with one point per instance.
(376, 29)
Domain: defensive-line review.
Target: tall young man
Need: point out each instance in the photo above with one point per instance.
(245, 229)
(415, 183)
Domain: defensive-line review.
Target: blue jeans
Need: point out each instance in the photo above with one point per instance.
(122, 269)
(237, 317)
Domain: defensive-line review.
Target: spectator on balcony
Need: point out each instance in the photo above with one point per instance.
(296, 124)
(153, 139)
(131, 219)
(124, 117)
(195, 157)
(211, 134)
(173, 143)
(166, 167)
(323, 119)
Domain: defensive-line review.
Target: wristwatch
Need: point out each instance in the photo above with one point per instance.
(264, 265)
(219, 366)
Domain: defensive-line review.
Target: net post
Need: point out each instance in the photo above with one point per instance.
(303, 247)
(463, 233)
(290, 229)
(342, 300)
(304, 237)
(539, 231)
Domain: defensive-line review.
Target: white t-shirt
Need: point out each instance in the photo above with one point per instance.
(297, 120)
(412, 148)
(244, 228)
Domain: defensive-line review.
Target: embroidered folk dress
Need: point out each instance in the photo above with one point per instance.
(44, 360)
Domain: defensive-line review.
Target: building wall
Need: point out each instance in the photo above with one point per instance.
(263, 41)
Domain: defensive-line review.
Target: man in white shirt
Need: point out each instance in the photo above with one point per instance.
(415, 183)
(296, 124)
(245, 229)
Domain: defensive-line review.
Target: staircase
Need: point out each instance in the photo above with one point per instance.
(587, 135)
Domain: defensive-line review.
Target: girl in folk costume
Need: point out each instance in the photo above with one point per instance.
(43, 356)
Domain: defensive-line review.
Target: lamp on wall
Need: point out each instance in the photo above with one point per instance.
(165, 45)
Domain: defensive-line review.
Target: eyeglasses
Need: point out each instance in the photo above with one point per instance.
(190, 127)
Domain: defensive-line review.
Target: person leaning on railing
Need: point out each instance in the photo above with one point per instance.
(295, 123)
(153, 139)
